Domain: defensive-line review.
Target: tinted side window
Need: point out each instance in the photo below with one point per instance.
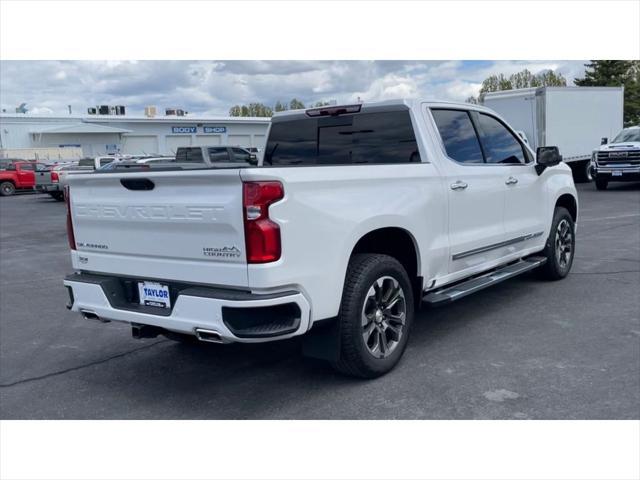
(86, 162)
(219, 154)
(500, 146)
(458, 135)
(189, 155)
(240, 155)
(26, 166)
(385, 137)
(106, 161)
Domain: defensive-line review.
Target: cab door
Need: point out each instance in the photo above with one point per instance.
(25, 174)
(475, 190)
(525, 199)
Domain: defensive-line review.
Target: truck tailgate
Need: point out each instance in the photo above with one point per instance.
(174, 225)
(43, 177)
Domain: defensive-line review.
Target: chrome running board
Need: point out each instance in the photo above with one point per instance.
(467, 287)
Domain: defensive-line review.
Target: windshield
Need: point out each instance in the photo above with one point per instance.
(627, 135)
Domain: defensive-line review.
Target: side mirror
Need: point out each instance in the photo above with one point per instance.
(253, 159)
(604, 141)
(547, 157)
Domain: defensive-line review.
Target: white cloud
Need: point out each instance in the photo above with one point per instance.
(214, 86)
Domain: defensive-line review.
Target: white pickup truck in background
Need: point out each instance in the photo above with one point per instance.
(356, 216)
(618, 161)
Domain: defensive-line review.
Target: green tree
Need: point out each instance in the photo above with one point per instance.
(280, 107)
(320, 104)
(522, 79)
(550, 79)
(615, 73)
(296, 104)
(252, 110)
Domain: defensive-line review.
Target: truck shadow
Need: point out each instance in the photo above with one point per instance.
(261, 380)
(620, 187)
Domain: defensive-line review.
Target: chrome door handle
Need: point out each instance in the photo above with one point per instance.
(511, 181)
(459, 185)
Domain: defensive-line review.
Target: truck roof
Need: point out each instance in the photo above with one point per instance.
(370, 107)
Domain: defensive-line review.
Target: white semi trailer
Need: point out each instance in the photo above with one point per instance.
(575, 119)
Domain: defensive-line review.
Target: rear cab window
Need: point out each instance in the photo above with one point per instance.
(348, 139)
(86, 162)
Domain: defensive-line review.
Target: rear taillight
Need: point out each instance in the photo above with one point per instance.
(262, 235)
(71, 237)
(54, 177)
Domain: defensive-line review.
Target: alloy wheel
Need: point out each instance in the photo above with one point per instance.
(564, 243)
(383, 316)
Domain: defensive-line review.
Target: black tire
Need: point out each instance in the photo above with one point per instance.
(558, 265)
(59, 196)
(7, 189)
(588, 172)
(355, 356)
(583, 172)
(601, 183)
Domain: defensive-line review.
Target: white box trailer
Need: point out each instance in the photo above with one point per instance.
(575, 119)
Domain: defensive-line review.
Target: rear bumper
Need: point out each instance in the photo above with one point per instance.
(48, 188)
(236, 316)
(618, 174)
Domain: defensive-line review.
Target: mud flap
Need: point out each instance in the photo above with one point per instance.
(323, 341)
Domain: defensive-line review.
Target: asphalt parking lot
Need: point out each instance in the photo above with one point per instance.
(522, 349)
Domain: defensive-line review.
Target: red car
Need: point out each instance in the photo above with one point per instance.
(19, 176)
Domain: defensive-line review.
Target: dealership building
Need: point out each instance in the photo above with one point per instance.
(110, 133)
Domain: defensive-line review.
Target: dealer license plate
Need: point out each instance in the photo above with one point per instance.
(154, 294)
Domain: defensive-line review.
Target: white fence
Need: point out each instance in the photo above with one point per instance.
(44, 155)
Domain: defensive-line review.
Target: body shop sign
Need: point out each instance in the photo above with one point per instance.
(184, 129)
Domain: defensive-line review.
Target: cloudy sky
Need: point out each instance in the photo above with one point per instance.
(212, 87)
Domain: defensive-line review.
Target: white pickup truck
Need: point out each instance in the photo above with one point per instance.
(356, 216)
(618, 161)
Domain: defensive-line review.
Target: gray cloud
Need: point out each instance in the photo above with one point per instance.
(212, 87)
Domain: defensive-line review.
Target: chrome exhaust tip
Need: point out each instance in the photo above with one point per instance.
(90, 315)
(210, 336)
